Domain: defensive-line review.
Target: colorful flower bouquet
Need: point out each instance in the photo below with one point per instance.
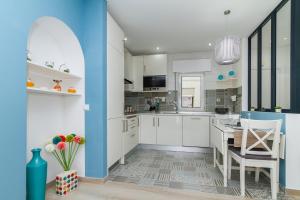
(65, 148)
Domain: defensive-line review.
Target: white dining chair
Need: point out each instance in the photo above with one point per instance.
(263, 153)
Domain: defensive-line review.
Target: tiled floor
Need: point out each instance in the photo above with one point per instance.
(182, 170)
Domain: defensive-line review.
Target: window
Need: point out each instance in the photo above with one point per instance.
(190, 96)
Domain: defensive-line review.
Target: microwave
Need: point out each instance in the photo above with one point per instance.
(154, 83)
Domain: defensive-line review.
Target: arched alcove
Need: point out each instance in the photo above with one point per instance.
(50, 112)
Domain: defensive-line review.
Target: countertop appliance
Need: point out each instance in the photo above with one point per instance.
(221, 110)
(155, 83)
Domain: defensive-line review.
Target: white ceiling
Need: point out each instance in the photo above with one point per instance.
(181, 26)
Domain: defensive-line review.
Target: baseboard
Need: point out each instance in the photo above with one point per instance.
(293, 192)
(51, 184)
(92, 180)
(175, 148)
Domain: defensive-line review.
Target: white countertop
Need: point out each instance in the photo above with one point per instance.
(210, 114)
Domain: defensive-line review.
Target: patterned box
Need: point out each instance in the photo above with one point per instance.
(66, 182)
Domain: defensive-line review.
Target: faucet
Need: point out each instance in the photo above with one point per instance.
(174, 103)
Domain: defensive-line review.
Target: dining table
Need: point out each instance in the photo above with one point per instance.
(221, 133)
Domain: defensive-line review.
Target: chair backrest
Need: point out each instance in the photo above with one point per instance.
(265, 132)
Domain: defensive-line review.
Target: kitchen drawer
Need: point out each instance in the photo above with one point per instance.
(131, 139)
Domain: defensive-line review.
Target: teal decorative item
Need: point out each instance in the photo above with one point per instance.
(36, 176)
(231, 73)
(220, 77)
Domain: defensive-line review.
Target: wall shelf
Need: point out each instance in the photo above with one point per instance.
(50, 72)
(49, 92)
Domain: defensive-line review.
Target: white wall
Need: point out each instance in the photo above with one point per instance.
(49, 115)
(292, 152)
(210, 78)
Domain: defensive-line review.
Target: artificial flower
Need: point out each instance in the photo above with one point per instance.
(69, 138)
(82, 140)
(50, 148)
(73, 134)
(56, 140)
(63, 138)
(77, 139)
(61, 146)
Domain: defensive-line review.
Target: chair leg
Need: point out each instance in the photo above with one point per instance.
(215, 156)
(257, 171)
(274, 182)
(229, 163)
(242, 177)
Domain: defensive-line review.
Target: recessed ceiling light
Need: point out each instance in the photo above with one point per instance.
(157, 48)
(209, 44)
(125, 39)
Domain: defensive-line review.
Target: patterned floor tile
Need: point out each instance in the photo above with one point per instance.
(186, 171)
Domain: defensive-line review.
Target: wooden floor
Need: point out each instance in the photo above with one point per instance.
(127, 191)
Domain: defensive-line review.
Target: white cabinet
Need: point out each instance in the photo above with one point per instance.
(196, 131)
(131, 135)
(134, 71)
(114, 140)
(148, 129)
(138, 73)
(155, 65)
(169, 130)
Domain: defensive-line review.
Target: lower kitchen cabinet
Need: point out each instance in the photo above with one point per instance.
(148, 129)
(131, 134)
(114, 140)
(196, 131)
(169, 130)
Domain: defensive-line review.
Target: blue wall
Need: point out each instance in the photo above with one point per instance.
(271, 116)
(16, 18)
(96, 118)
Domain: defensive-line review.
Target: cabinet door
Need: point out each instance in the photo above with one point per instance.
(196, 131)
(138, 73)
(148, 129)
(114, 140)
(128, 65)
(115, 83)
(169, 130)
(155, 65)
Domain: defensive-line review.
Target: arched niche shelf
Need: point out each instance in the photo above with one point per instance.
(50, 112)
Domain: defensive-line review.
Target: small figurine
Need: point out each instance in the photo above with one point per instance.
(72, 90)
(64, 68)
(57, 86)
(29, 83)
(49, 64)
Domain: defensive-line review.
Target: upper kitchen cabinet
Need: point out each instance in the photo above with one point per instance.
(134, 71)
(155, 65)
(115, 35)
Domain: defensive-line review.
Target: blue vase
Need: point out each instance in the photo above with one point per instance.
(36, 176)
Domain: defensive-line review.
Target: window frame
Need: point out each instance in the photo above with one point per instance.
(179, 93)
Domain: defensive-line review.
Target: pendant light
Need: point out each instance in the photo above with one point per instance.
(227, 49)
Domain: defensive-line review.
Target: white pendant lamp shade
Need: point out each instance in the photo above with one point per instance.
(227, 50)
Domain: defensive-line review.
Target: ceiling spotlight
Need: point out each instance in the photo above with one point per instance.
(125, 39)
(157, 48)
(209, 44)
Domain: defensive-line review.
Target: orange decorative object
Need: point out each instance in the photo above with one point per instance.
(57, 87)
(72, 90)
(29, 83)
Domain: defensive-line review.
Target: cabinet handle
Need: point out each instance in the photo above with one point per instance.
(158, 121)
(138, 120)
(195, 118)
(153, 121)
(126, 125)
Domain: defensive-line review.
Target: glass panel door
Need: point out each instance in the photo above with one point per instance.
(266, 66)
(254, 68)
(283, 55)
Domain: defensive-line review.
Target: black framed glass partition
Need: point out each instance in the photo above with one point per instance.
(274, 60)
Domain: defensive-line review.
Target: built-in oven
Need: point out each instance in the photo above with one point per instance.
(155, 83)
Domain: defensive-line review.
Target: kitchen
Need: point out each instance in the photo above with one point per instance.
(165, 107)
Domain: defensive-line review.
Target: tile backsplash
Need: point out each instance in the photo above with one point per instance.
(213, 98)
